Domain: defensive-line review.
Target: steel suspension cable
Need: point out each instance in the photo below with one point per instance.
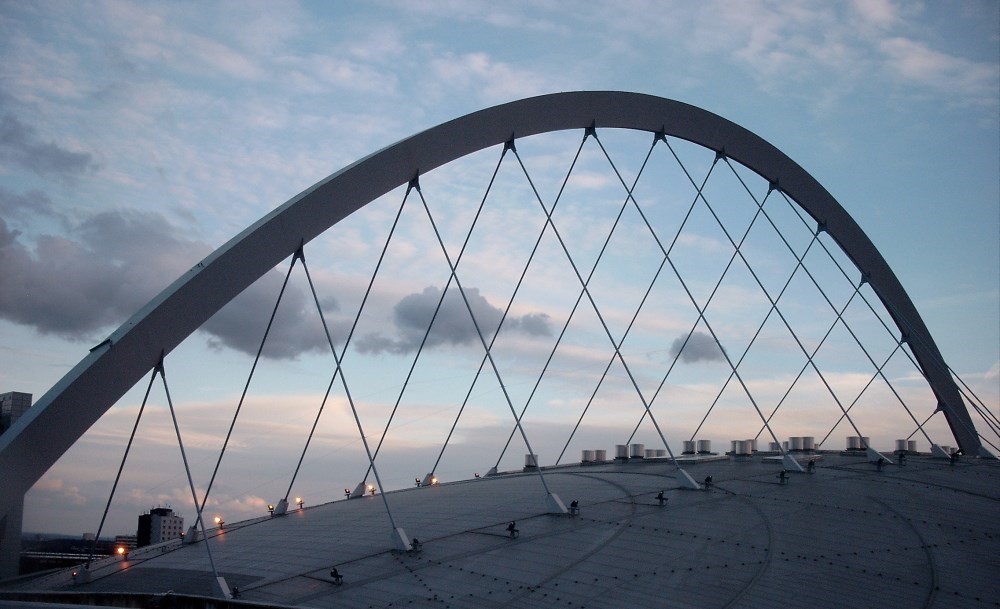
(898, 341)
(760, 284)
(246, 386)
(805, 366)
(350, 399)
(642, 302)
(666, 257)
(503, 318)
(921, 425)
(415, 185)
(760, 328)
(347, 341)
(199, 522)
(479, 332)
(701, 312)
(860, 394)
(656, 138)
(562, 332)
(600, 317)
(611, 361)
(329, 340)
(114, 486)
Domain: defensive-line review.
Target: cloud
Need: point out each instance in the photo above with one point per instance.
(452, 325)
(297, 329)
(114, 262)
(32, 203)
(496, 81)
(700, 347)
(21, 145)
(58, 491)
(915, 62)
(103, 272)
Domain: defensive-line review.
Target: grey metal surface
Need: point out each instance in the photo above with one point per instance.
(923, 535)
(73, 404)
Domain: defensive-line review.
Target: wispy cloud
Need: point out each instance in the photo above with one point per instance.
(492, 80)
(21, 144)
(962, 81)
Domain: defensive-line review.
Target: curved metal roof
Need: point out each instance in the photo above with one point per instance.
(921, 535)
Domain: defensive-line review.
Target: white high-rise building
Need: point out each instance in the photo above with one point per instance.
(13, 404)
(160, 524)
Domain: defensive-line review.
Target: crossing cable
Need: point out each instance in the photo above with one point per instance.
(977, 399)
(921, 426)
(809, 358)
(611, 361)
(701, 312)
(246, 386)
(479, 331)
(128, 447)
(662, 137)
(857, 340)
(638, 309)
(194, 495)
(415, 185)
(711, 297)
(763, 289)
(350, 335)
(763, 323)
(597, 311)
(940, 365)
(545, 226)
(935, 362)
(799, 263)
(347, 393)
(510, 302)
(860, 394)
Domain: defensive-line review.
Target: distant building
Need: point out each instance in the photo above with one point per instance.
(129, 542)
(13, 404)
(160, 524)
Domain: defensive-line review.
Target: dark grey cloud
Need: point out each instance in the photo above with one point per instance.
(96, 276)
(30, 204)
(99, 274)
(21, 145)
(700, 347)
(297, 328)
(452, 326)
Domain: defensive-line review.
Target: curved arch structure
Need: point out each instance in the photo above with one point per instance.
(75, 403)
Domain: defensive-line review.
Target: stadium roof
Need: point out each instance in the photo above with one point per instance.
(925, 534)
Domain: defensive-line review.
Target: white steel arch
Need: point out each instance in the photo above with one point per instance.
(73, 404)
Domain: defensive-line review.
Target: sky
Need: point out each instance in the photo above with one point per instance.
(135, 138)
